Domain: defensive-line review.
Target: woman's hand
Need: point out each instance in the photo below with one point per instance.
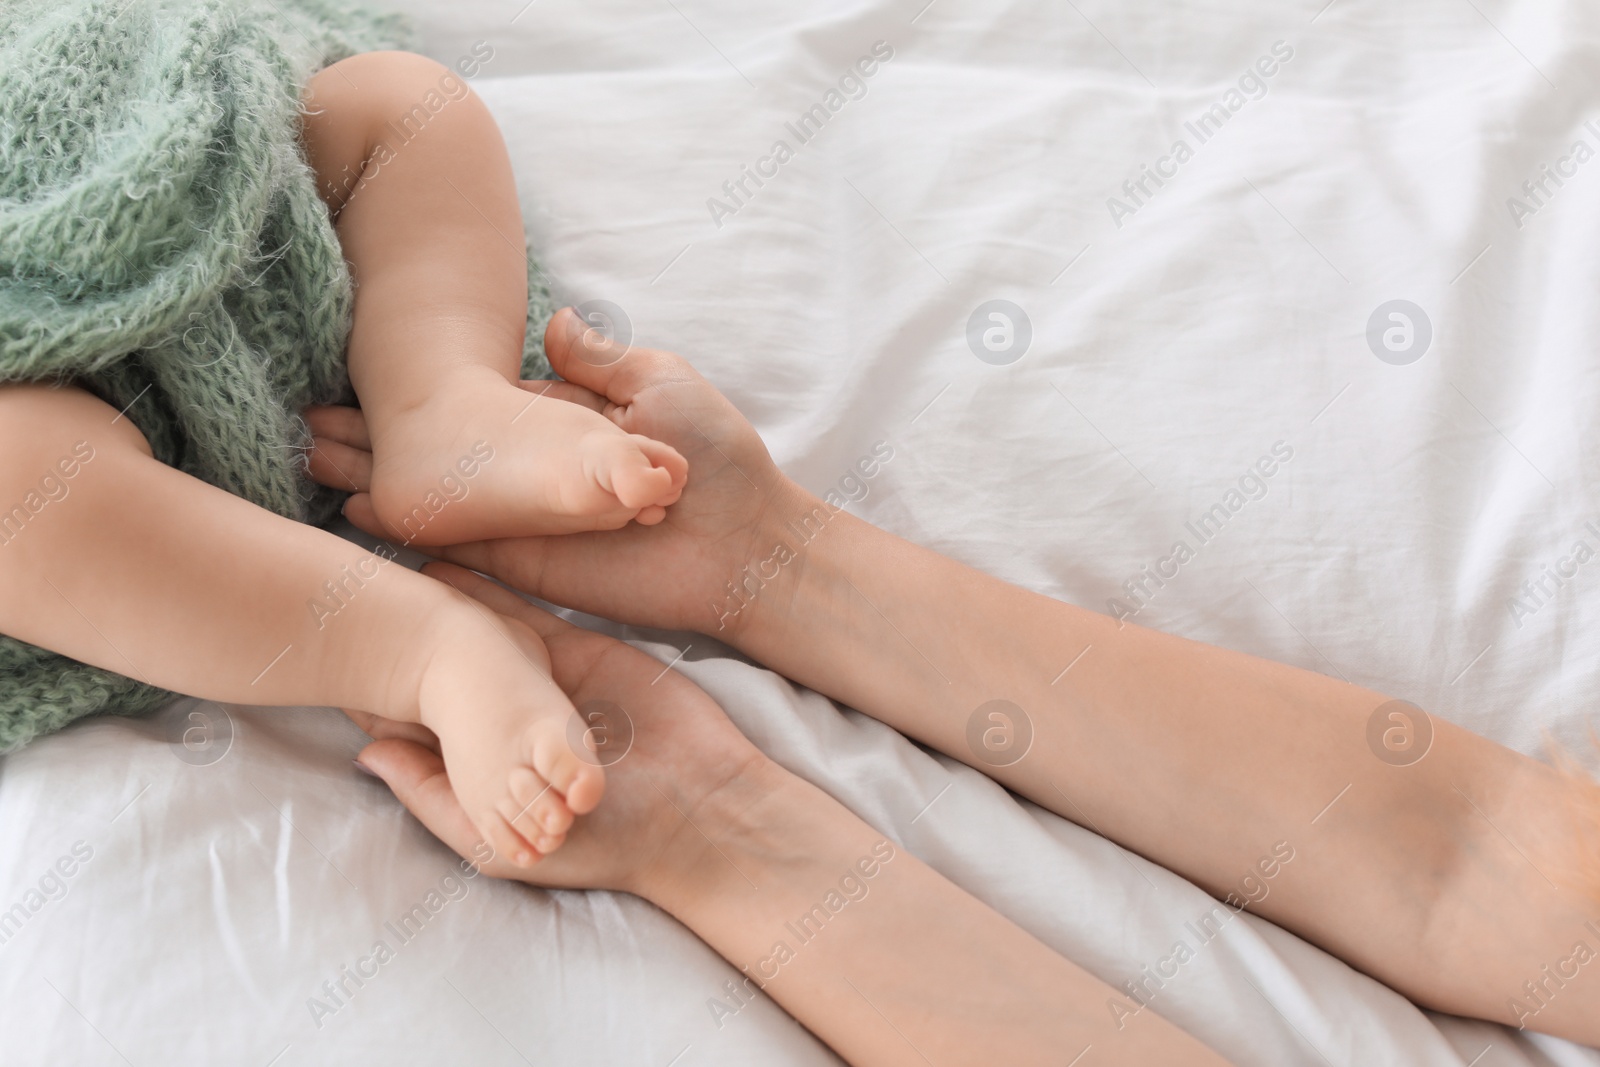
(701, 824)
(673, 575)
(668, 750)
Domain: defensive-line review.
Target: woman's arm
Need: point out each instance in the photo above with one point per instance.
(1456, 878)
(869, 948)
(1452, 872)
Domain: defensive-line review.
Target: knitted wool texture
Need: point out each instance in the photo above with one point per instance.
(162, 245)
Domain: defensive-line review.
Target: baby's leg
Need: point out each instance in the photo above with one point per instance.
(117, 560)
(413, 166)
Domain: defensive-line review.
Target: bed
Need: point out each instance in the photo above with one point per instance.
(989, 258)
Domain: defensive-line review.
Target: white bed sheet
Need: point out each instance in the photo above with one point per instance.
(1226, 314)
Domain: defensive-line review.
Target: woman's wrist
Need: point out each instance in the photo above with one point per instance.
(841, 610)
(693, 869)
(846, 930)
(798, 564)
(743, 849)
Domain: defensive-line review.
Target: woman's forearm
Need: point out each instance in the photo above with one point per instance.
(877, 954)
(1214, 763)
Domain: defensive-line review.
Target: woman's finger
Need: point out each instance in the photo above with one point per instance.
(363, 719)
(610, 368)
(346, 425)
(572, 394)
(360, 513)
(363, 516)
(341, 466)
(417, 777)
(379, 728)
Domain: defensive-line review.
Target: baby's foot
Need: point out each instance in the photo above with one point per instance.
(509, 737)
(484, 458)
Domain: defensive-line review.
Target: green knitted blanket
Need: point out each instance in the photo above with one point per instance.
(162, 245)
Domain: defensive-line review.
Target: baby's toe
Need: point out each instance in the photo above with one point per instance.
(504, 840)
(578, 778)
(632, 478)
(664, 457)
(588, 785)
(637, 470)
(538, 808)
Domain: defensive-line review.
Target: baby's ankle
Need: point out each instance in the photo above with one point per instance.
(470, 646)
(448, 394)
(429, 455)
(381, 632)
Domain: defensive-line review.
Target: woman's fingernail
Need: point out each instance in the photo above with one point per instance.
(364, 769)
